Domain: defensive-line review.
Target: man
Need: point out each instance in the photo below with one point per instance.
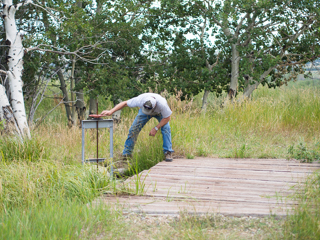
(151, 105)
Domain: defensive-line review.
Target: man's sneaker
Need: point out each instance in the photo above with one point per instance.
(123, 161)
(168, 157)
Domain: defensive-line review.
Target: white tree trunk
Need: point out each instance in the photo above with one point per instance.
(6, 115)
(3, 101)
(15, 65)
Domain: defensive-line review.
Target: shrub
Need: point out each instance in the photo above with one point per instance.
(302, 153)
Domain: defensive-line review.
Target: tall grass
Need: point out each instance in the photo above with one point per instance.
(29, 150)
(60, 220)
(304, 223)
(283, 116)
(26, 184)
(43, 178)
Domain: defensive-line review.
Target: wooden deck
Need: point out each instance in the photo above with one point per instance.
(235, 187)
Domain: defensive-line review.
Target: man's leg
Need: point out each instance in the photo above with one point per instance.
(166, 136)
(138, 123)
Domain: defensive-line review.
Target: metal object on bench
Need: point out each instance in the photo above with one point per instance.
(97, 123)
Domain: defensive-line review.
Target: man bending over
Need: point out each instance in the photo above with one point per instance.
(150, 105)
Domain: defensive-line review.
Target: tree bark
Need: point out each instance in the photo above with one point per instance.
(234, 71)
(15, 65)
(80, 106)
(7, 119)
(63, 88)
(250, 88)
(205, 100)
(72, 83)
(116, 116)
(93, 106)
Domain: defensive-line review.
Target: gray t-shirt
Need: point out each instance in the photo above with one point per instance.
(161, 107)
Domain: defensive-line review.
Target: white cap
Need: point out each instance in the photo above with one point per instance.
(149, 103)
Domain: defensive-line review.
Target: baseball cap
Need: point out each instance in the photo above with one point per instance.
(149, 103)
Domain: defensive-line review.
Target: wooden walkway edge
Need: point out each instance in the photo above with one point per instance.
(233, 187)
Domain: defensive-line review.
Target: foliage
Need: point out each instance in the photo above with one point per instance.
(251, 42)
(114, 58)
(123, 48)
(184, 57)
(302, 153)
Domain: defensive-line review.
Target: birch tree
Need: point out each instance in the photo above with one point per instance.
(14, 91)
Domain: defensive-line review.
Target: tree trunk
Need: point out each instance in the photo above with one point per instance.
(250, 88)
(80, 106)
(93, 106)
(234, 72)
(246, 91)
(116, 116)
(8, 123)
(72, 83)
(205, 100)
(63, 88)
(15, 65)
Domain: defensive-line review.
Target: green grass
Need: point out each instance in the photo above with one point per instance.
(305, 222)
(59, 220)
(26, 184)
(44, 188)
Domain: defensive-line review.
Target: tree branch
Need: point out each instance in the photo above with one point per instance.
(3, 72)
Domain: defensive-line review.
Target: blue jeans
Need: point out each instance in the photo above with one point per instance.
(138, 123)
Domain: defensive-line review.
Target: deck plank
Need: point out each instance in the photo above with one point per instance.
(235, 187)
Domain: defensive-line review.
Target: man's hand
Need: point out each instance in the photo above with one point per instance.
(110, 112)
(102, 114)
(153, 132)
(106, 113)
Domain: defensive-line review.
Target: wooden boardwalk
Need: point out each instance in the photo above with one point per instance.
(235, 187)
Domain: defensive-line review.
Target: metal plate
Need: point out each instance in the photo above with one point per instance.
(106, 123)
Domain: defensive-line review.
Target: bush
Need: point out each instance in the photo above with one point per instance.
(302, 153)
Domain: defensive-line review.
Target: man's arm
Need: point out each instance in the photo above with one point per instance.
(163, 122)
(116, 108)
(110, 112)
